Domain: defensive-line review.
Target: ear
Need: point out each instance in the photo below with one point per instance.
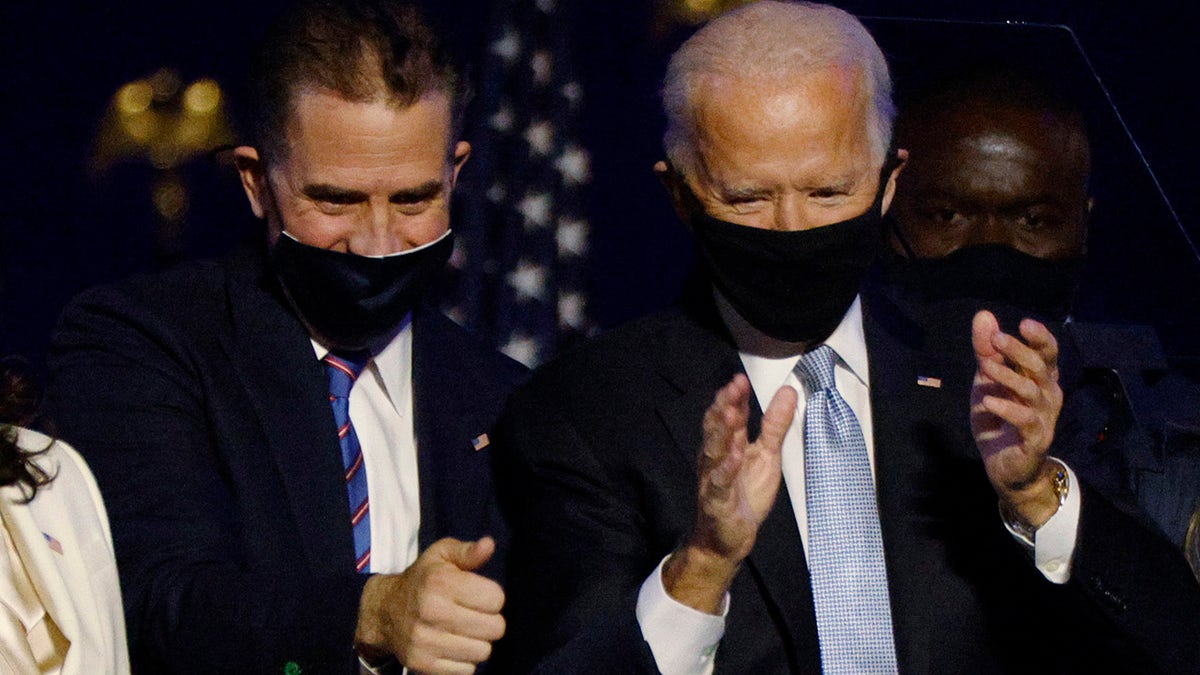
(462, 152)
(253, 173)
(890, 190)
(673, 182)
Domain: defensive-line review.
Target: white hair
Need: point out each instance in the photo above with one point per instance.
(770, 41)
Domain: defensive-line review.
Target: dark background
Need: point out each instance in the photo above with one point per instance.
(62, 230)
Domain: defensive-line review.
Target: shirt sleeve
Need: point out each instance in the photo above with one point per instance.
(683, 640)
(1053, 545)
(388, 667)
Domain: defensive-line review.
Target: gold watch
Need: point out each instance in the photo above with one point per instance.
(1062, 488)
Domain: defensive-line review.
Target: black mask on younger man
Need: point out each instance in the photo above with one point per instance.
(353, 302)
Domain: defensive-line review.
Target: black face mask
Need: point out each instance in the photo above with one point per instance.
(793, 286)
(352, 301)
(991, 274)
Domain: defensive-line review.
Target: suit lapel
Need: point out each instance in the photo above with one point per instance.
(61, 579)
(450, 419)
(698, 361)
(274, 359)
(910, 420)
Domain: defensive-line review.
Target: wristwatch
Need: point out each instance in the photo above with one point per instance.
(1062, 488)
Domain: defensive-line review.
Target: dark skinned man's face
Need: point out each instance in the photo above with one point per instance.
(993, 174)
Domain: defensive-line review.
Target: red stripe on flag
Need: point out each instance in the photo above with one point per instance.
(55, 545)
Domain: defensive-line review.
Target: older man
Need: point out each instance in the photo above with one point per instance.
(287, 439)
(857, 533)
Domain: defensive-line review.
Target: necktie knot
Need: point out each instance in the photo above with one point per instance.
(343, 369)
(815, 369)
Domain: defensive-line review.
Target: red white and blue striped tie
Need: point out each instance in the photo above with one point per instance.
(343, 370)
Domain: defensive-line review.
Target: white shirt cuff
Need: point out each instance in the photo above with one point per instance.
(385, 668)
(683, 640)
(1053, 544)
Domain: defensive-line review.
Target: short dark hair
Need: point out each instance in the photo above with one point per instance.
(993, 82)
(362, 50)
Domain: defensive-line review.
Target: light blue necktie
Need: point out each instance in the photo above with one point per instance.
(343, 370)
(845, 546)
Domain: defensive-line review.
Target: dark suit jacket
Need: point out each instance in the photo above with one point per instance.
(1130, 423)
(597, 455)
(197, 400)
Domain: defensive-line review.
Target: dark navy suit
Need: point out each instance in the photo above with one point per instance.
(598, 456)
(197, 400)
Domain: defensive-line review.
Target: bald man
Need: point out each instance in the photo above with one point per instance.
(994, 203)
(992, 212)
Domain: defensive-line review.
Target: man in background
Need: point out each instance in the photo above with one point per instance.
(992, 212)
(293, 447)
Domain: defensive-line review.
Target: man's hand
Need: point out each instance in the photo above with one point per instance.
(437, 616)
(1015, 402)
(738, 484)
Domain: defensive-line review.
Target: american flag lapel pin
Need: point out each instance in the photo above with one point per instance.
(480, 442)
(55, 545)
(927, 381)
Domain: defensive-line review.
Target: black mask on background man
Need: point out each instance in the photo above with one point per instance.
(353, 302)
(992, 274)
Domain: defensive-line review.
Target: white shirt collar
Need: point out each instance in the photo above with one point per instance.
(392, 362)
(769, 361)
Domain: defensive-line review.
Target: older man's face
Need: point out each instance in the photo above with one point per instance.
(367, 178)
(993, 174)
(791, 155)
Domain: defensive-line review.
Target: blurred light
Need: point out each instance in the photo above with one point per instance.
(158, 121)
(135, 97)
(202, 97)
(166, 155)
(701, 6)
(170, 199)
(192, 132)
(166, 84)
(142, 126)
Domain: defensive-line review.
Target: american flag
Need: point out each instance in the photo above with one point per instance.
(927, 381)
(519, 269)
(55, 545)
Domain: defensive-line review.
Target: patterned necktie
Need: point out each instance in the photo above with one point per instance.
(343, 370)
(845, 546)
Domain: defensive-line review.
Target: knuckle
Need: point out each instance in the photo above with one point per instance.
(421, 640)
(428, 607)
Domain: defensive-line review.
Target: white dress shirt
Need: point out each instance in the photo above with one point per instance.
(684, 640)
(381, 409)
